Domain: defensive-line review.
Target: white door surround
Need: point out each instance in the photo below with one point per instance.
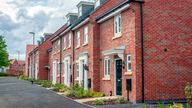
(67, 70)
(36, 71)
(83, 74)
(54, 72)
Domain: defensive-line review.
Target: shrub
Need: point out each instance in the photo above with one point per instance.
(98, 94)
(160, 105)
(60, 88)
(188, 92)
(120, 100)
(22, 77)
(99, 102)
(46, 83)
(176, 106)
(3, 74)
(145, 106)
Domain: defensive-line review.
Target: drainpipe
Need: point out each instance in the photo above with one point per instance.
(142, 49)
(73, 48)
(142, 54)
(60, 57)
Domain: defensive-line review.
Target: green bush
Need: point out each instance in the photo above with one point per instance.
(43, 83)
(99, 102)
(145, 106)
(188, 92)
(120, 100)
(60, 88)
(22, 77)
(176, 106)
(160, 105)
(3, 74)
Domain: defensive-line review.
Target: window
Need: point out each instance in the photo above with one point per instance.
(65, 44)
(80, 11)
(78, 39)
(85, 36)
(58, 45)
(128, 63)
(69, 40)
(117, 25)
(68, 20)
(58, 69)
(97, 3)
(106, 67)
(77, 70)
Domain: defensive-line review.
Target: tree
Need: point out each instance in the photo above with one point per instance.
(4, 57)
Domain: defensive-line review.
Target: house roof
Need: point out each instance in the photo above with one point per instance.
(56, 34)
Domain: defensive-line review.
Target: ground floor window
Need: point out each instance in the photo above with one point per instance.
(128, 62)
(77, 70)
(106, 67)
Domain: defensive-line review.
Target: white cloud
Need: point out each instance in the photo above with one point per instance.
(18, 17)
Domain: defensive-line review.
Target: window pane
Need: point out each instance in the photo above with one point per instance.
(108, 67)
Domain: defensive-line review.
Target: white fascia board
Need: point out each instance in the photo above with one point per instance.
(80, 24)
(113, 13)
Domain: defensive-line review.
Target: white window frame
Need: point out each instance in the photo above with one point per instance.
(77, 70)
(117, 25)
(85, 35)
(80, 11)
(58, 45)
(77, 39)
(64, 42)
(106, 67)
(97, 3)
(129, 62)
(69, 40)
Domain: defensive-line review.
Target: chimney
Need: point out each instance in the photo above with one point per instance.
(99, 3)
(38, 42)
(42, 39)
(47, 35)
(84, 7)
(71, 18)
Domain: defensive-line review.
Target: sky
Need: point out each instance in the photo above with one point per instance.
(19, 17)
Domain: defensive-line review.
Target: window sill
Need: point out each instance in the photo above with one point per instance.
(69, 47)
(58, 52)
(85, 44)
(77, 79)
(116, 37)
(106, 79)
(64, 49)
(128, 73)
(77, 47)
(58, 75)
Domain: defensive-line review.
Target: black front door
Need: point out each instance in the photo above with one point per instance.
(118, 77)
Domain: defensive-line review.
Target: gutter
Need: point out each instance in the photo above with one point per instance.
(73, 55)
(80, 24)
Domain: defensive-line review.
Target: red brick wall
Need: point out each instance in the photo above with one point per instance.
(167, 26)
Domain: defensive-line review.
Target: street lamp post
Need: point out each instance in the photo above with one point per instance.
(33, 63)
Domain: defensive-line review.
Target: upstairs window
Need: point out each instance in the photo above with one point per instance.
(97, 3)
(128, 63)
(68, 20)
(85, 36)
(58, 45)
(64, 42)
(69, 40)
(80, 11)
(78, 39)
(117, 25)
(106, 67)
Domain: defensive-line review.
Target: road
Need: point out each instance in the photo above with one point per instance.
(16, 93)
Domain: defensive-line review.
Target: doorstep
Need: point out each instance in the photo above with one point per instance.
(93, 99)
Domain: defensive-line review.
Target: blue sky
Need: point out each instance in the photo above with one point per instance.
(19, 17)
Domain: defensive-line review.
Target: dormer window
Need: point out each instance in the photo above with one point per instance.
(68, 20)
(80, 11)
(97, 3)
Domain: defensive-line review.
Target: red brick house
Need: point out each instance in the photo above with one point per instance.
(29, 48)
(138, 49)
(41, 66)
(16, 67)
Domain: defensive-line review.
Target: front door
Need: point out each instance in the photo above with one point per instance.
(83, 74)
(118, 77)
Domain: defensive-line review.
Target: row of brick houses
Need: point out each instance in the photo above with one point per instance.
(137, 49)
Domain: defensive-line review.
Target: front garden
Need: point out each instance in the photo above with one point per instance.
(76, 92)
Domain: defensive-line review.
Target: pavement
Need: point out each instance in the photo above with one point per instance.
(16, 93)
